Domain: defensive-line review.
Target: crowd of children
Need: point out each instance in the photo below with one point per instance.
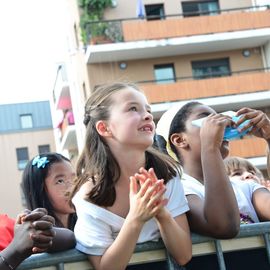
(130, 189)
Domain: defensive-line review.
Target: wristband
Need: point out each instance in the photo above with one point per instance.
(6, 262)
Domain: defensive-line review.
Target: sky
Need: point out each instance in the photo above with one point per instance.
(33, 41)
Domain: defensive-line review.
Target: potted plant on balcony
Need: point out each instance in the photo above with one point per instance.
(92, 27)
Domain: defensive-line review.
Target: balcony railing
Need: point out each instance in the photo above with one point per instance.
(67, 121)
(185, 88)
(177, 25)
(239, 82)
(251, 236)
(60, 82)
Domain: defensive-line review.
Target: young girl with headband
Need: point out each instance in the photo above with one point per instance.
(126, 191)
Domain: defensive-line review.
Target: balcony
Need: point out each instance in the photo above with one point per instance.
(225, 21)
(68, 139)
(249, 88)
(61, 92)
(139, 39)
(240, 82)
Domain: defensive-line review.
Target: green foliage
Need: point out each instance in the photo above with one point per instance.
(95, 7)
(92, 11)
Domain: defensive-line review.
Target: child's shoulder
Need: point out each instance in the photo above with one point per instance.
(85, 189)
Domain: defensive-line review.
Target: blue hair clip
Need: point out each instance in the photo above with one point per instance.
(40, 162)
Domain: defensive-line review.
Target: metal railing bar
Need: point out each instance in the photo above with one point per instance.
(267, 245)
(180, 14)
(220, 257)
(176, 79)
(72, 255)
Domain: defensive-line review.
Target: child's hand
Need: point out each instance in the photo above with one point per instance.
(143, 175)
(37, 226)
(42, 236)
(146, 201)
(37, 214)
(258, 120)
(150, 174)
(212, 129)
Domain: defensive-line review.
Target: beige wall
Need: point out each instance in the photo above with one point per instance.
(127, 9)
(225, 4)
(141, 70)
(77, 70)
(10, 196)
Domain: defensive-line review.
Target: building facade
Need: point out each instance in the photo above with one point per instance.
(25, 131)
(214, 51)
(71, 89)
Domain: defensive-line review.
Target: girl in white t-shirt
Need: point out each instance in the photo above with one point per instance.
(214, 209)
(243, 173)
(118, 202)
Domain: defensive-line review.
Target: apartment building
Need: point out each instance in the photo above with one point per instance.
(214, 51)
(71, 89)
(25, 131)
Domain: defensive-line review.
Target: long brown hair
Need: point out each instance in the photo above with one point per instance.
(97, 163)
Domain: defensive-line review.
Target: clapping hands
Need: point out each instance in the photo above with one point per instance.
(147, 195)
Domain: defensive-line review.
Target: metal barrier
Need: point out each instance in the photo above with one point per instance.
(251, 236)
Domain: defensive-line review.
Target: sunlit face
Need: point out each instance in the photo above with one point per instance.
(58, 185)
(131, 122)
(244, 174)
(193, 132)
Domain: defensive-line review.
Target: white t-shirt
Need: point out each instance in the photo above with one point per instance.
(96, 227)
(243, 191)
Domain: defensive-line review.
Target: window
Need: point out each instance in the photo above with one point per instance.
(199, 8)
(26, 120)
(43, 148)
(211, 68)
(164, 73)
(22, 157)
(154, 12)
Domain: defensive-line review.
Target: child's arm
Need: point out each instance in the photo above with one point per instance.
(217, 215)
(27, 233)
(176, 236)
(261, 203)
(141, 210)
(64, 239)
(260, 124)
(174, 231)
